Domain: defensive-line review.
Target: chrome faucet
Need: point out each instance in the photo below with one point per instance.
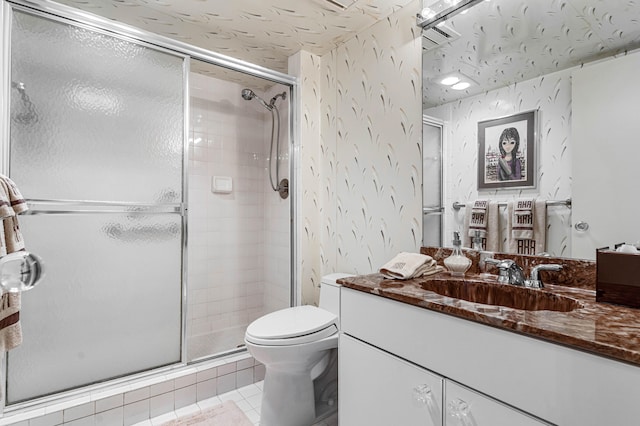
(534, 280)
(510, 271)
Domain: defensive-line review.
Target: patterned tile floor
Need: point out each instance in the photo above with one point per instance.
(248, 399)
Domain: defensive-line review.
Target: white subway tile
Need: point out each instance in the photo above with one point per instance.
(206, 389)
(136, 395)
(113, 417)
(79, 411)
(185, 396)
(161, 404)
(136, 412)
(109, 403)
(52, 419)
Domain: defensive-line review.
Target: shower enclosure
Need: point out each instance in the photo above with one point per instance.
(239, 233)
(146, 174)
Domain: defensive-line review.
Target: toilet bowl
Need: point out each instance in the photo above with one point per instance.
(296, 346)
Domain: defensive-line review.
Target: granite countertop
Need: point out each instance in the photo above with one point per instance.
(599, 328)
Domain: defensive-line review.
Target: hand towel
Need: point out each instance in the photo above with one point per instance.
(522, 220)
(410, 265)
(537, 243)
(491, 237)
(478, 219)
(10, 241)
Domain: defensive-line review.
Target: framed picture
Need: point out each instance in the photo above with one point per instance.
(507, 151)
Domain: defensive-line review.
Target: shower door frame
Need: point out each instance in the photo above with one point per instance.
(69, 15)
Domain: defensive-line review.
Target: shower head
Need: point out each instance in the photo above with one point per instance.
(248, 94)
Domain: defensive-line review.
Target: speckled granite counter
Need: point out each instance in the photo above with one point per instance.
(603, 329)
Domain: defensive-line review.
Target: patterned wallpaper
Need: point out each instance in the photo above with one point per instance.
(371, 146)
(306, 66)
(551, 94)
(265, 33)
(360, 151)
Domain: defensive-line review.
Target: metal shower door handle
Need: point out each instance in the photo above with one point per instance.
(20, 271)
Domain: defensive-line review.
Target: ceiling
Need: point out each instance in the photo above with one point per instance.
(501, 41)
(507, 41)
(262, 32)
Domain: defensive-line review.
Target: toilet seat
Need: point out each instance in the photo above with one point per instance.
(292, 326)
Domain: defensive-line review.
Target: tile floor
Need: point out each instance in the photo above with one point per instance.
(247, 398)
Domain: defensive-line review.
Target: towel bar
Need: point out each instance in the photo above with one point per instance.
(567, 202)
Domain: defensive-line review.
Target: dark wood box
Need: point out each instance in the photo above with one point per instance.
(618, 278)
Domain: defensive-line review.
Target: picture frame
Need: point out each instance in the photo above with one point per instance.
(507, 148)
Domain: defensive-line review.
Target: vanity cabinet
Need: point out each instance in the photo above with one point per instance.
(378, 388)
(488, 376)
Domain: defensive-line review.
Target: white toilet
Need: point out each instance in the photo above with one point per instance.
(296, 345)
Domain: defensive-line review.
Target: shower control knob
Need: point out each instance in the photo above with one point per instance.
(581, 226)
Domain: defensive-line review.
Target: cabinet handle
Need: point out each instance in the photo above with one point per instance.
(459, 409)
(423, 394)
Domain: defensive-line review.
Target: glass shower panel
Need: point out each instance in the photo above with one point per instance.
(108, 305)
(107, 115)
(431, 184)
(95, 118)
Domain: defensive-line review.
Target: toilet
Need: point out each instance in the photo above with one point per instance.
(298, 347)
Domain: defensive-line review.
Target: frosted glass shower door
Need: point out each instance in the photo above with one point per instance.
(96, 146)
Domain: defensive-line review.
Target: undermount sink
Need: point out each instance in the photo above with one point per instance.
(509, 296)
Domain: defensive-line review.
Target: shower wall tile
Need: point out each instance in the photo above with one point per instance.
(376, 128)
(191, 384)
(232, 235)
(551, 95)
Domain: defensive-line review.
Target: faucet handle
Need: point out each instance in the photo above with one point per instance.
(534, 279)
(510, 271)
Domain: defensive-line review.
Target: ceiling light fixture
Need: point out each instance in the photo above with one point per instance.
(461, 86)
(449, 81)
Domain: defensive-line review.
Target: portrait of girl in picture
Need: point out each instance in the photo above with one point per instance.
(509, 167)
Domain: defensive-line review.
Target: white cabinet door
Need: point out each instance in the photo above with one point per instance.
(376, 388)
(465, 407)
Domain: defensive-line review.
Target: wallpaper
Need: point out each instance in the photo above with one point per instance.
(264, 33)
(371, 146)
(551, 95)
(306, 66)
(360, 151)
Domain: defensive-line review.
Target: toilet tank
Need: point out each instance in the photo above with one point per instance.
(330, 292)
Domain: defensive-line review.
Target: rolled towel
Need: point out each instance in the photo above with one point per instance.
(410, 265)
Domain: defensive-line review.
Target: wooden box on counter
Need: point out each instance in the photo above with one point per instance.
(618, 278)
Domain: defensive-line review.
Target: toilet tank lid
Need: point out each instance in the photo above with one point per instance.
(332, 278)
(291, 322)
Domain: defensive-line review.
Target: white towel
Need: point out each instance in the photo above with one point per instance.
(491, 237)
(11, 204)
(478, 220)
(522, 220)
(519, 242)
(410, 265)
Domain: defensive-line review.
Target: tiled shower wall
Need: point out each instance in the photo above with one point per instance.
(238, 242)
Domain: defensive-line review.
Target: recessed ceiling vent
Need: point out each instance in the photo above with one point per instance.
(337, 5)
(437, 36)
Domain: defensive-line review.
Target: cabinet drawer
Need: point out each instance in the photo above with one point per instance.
(465, 407)
(377, 388)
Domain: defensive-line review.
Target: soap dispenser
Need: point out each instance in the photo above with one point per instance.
(457, 263)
